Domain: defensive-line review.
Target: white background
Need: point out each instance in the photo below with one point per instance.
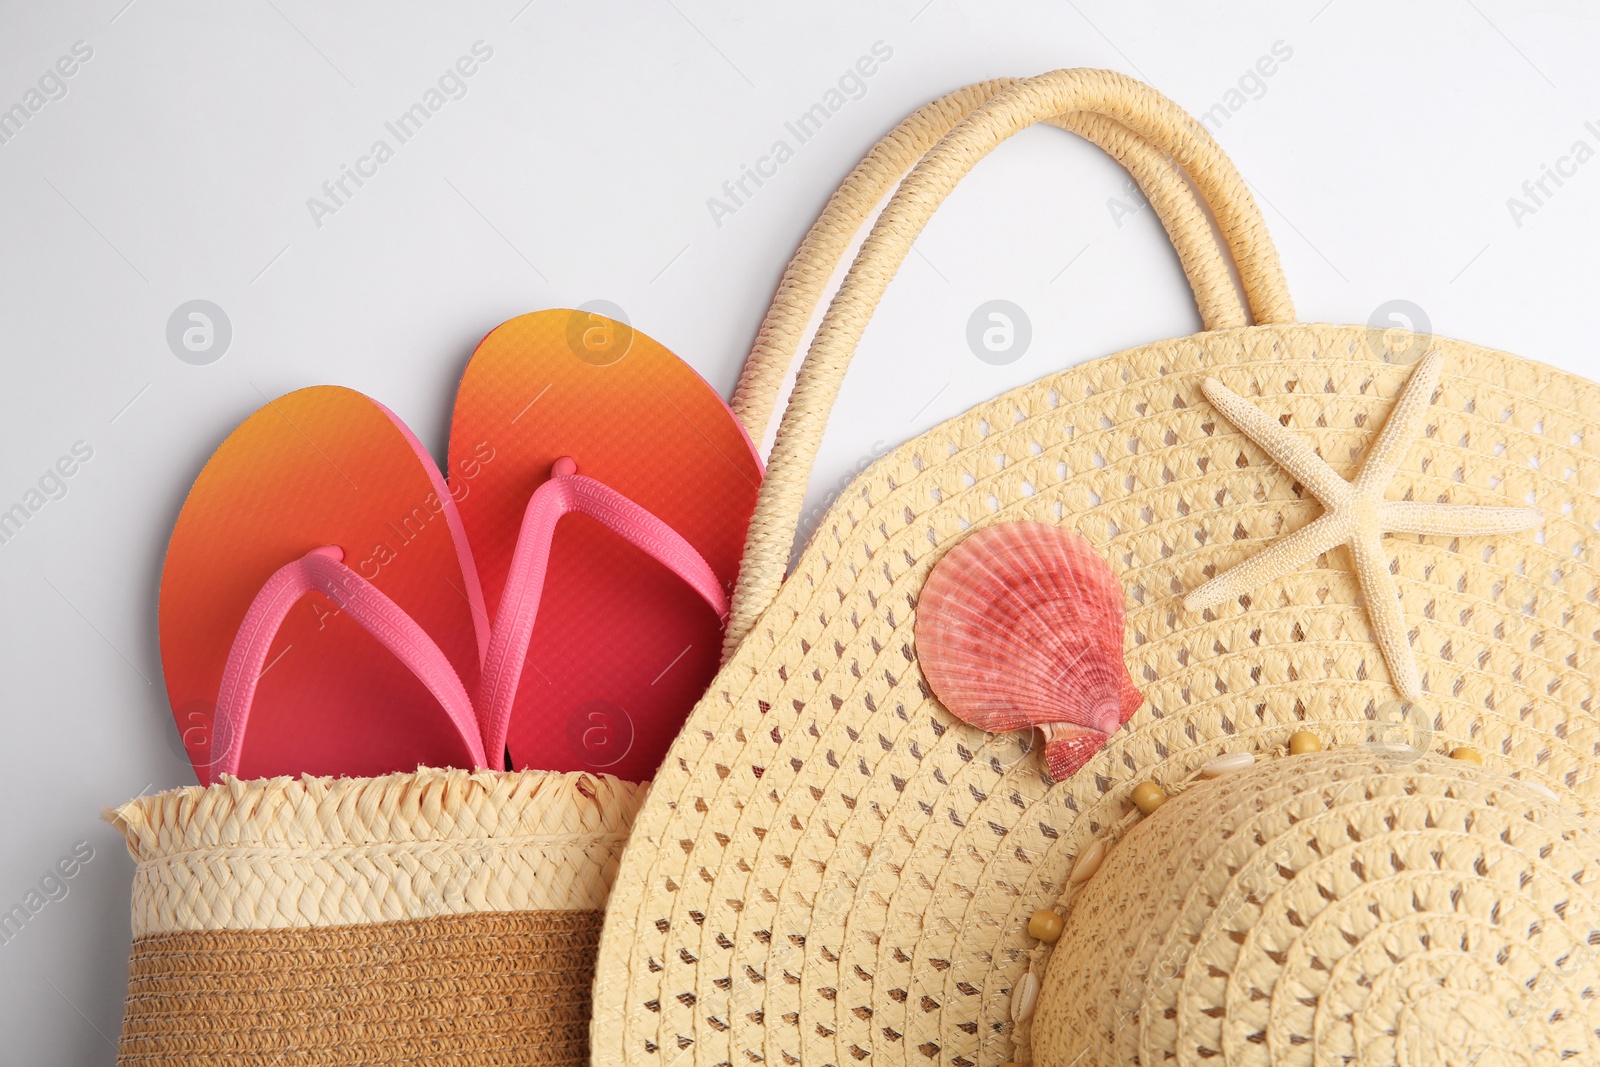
(578, 167)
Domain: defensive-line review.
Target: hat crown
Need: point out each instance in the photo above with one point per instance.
(1378, 903)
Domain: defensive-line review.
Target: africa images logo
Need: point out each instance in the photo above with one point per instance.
(52, 85)
(851, 85)
(52, 888)
(52, 485)
(1538, 191)
(451, 85)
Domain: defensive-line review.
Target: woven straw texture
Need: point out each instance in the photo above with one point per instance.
(440, 917)
(503, 988)
(294, 852)
(1351, 906)
(831, 867)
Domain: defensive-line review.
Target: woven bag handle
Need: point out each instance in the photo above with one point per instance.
(755, 397)
(1144, 112)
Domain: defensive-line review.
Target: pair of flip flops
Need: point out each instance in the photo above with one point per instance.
(332, 604)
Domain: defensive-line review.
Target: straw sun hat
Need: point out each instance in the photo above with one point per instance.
(1353, 819)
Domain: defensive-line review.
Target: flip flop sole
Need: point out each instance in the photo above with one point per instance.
(320, 466)
(622, 648)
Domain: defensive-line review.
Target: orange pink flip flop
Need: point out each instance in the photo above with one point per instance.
(319, 590)
(331, 605)
(606, 627)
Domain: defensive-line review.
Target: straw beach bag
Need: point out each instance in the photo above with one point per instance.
(440, 917)
(1353, 818)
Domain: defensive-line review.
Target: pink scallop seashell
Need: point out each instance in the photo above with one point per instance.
(1020, 626)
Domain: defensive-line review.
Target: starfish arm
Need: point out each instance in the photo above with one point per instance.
(1382, 594)
(1454, 520)
(1290, 553)
(1390, 449)
(1291, 451)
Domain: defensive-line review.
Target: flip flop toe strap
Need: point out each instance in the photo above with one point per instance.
(320, 571)
(562, 495)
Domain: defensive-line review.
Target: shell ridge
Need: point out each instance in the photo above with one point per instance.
(1021, 624)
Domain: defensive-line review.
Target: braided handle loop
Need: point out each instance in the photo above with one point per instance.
(1160, 143)
(755, 397)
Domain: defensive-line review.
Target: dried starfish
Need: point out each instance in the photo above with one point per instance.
(1355, 513)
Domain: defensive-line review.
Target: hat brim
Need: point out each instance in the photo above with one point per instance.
(830, 867)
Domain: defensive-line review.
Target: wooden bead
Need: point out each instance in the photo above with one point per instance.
(1147, 797)
(1467, 755)
(1045, 925)
(1303, 741)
